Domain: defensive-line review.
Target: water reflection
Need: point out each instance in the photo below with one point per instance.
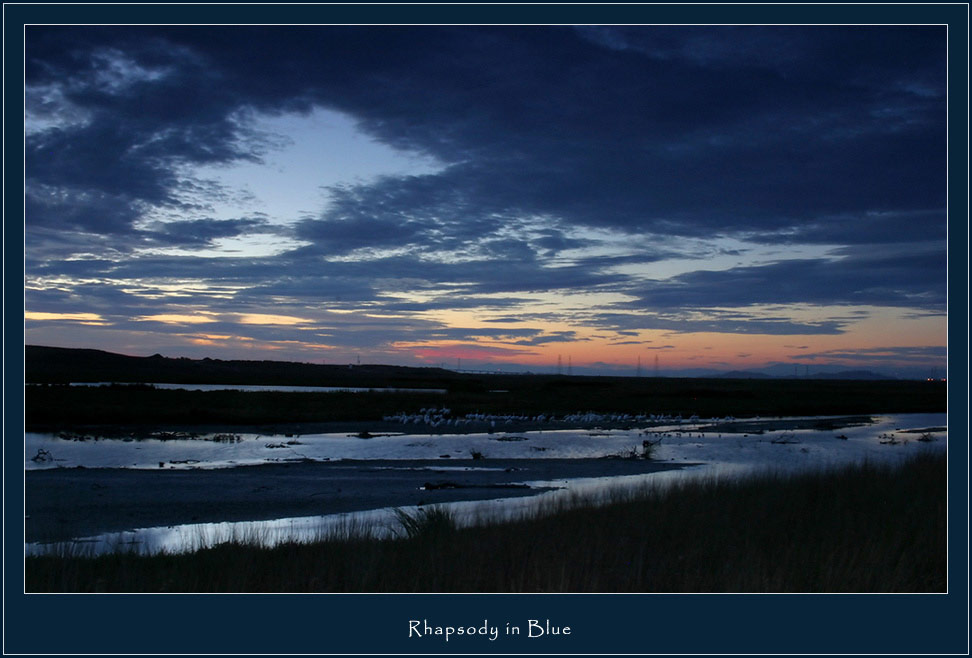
(725, 454)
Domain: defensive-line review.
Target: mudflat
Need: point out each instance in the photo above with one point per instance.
(66, 503)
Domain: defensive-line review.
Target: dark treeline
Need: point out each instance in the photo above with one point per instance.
(58, 406)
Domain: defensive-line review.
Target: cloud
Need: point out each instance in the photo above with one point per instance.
(903, 279)
(716, 321)
(570, 162)
(202, 231)
(553, 337)
(531, 119)
(903, 355)
(83, 318)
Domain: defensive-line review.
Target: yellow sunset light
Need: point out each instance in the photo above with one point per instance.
(87, 318)
(178, 318)
(262, 318)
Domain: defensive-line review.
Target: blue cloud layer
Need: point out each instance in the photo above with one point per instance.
(548, 138)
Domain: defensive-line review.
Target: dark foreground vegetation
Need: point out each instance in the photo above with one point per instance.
(860, 529)
(56, 406)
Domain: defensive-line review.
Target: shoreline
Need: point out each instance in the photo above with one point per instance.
(376, 428)
(69, 503)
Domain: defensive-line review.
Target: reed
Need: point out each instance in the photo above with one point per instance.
(866, 528)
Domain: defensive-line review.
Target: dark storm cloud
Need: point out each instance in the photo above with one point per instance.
(715, 321)
(698, 301)
(459, 210)
(784, 135)
(918, 355)
(68, 210)
(543, 119)
(809, 53)
(902, 279)
(507, 319)
(553, 337)
(641, 143)
(467, 278)
(883, 227)
(464, 333)
(450, 301)
(201, 232)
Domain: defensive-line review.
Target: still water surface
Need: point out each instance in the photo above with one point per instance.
(774, 445)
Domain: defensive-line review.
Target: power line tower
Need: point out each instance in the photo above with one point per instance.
(570, 366)
(560, 365)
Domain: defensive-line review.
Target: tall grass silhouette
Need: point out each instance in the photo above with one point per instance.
(864, 528)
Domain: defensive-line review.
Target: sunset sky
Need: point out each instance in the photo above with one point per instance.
(704, 198)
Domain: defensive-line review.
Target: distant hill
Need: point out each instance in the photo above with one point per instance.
(865, 375)
(851, 374)
(66, 407)
(65, 365)
(743, 374)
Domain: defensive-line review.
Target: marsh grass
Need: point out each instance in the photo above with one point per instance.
(427, 522)
(865, 528)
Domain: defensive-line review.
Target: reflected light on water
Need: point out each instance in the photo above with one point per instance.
(724, 457)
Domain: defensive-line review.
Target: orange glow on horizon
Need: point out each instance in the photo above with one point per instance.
(870, 340)
(179, 318)
(264, 318)
(885, 328)
(82, 318)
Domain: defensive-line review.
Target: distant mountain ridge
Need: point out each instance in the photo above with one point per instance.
(744, 374)
(852, 374)
(843, 374)
(65, 365)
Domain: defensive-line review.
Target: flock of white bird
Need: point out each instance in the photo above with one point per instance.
(434, 417)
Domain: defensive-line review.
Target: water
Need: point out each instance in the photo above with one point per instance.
(774, 446)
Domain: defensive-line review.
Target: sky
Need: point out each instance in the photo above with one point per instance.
(603, 199)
